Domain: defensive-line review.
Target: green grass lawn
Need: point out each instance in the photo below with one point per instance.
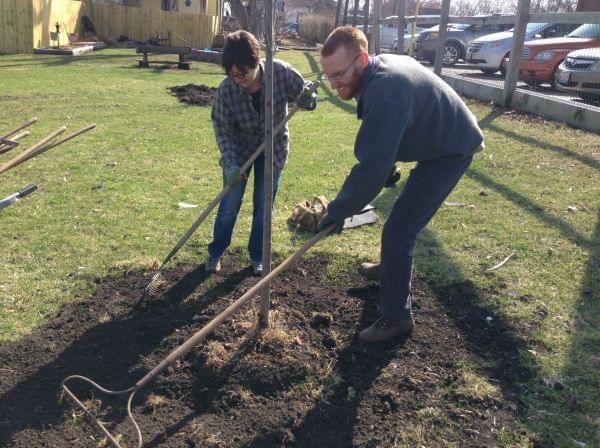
(107, 202)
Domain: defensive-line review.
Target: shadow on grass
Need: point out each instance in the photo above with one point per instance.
(530, 206)
(102, 338)
(51, 61)
(487, 122)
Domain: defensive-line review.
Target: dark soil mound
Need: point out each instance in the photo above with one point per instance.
(307, 382)
(192, 94)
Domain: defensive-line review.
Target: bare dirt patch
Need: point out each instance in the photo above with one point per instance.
(198, 95)
(308, 382)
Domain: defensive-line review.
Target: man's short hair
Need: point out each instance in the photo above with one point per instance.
(242, 50)
(345, 36)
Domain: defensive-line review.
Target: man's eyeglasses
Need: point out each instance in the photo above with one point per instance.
(339, 75)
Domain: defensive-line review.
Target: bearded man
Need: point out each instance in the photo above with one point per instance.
(410, 115)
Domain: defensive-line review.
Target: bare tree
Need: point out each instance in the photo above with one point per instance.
(478, 7)
(553, 5)
(251, 17)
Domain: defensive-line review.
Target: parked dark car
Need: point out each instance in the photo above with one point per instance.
(458, 38)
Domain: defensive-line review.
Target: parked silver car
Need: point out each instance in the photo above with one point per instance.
(488, 52)
(458, 38)
(580, 73)
(388, 30)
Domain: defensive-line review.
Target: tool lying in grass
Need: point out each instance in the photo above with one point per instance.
(41, 146)
(7, 144)
(11, 139)
(153, 288)
(306, 216)
(9, 200)
(198, 337)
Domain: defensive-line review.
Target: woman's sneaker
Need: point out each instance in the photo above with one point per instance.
(212, 266)
(257, 268)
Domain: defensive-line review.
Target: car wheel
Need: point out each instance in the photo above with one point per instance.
(503, 68)
(553, 77)
(451, 53)
(488, 71)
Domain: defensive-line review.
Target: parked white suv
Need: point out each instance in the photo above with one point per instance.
(487, 53)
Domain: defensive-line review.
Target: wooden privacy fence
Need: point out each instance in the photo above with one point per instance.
(26, 24)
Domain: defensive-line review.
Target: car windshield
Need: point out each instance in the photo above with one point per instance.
(587, 30)
(531, 27)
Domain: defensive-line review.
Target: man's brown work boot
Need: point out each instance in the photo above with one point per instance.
(384, 330)
(369, 270)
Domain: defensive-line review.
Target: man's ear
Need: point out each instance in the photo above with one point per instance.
(363, 59)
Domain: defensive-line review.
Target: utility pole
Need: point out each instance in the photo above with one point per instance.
(401, 26)
(441, 45)
(512, 71)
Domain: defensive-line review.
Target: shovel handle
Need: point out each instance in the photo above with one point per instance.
(27, 190)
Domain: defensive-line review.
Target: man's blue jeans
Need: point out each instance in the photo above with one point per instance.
(426, 188)
(230, 207)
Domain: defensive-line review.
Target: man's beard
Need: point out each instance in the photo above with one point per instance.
(350, 88)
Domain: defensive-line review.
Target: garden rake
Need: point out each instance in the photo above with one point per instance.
(153, 288)
(198, 337)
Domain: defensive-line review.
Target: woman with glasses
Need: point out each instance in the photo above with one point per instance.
(238, 120)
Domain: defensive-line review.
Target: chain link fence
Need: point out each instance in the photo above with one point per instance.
(559, 56)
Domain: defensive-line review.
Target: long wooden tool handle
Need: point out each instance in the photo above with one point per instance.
(18, 128)
(89, 127)
(201, 334)
(197, 223)
(27, 154)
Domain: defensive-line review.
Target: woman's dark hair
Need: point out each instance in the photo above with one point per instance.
(242, 50)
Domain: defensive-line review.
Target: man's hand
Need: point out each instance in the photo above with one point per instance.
(234, 177)
(307, 99)
(326, 220)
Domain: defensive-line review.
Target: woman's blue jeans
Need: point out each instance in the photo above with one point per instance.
(230, 207)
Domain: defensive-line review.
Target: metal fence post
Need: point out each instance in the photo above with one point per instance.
(441, 45)
(512, 71)
(265, 299)
(376, 29)
(401, 25)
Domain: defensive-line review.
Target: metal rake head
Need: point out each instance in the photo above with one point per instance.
(65, 391)
(154, 287)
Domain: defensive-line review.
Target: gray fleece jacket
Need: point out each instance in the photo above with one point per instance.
(408, 114)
